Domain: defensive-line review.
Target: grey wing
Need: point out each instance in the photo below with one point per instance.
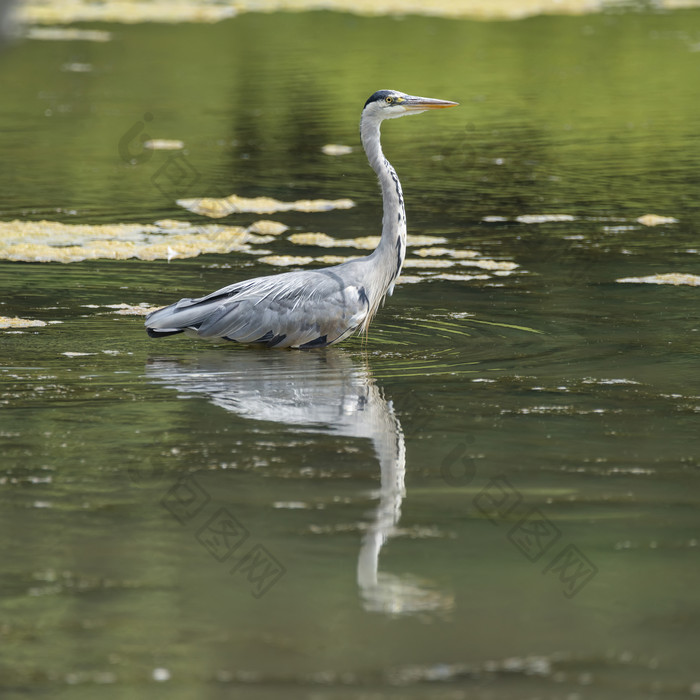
(294, 309)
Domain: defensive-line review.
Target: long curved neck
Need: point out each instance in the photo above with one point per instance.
(392, 246)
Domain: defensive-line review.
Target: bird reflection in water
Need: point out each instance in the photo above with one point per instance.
(332, 393)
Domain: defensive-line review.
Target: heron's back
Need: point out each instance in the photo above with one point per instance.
(295, 309)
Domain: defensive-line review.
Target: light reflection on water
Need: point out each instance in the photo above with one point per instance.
(332, 394)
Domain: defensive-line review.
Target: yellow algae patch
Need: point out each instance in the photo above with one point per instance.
(336, 149)
(424, 240)
(454, 277)
(164, 144)
(285, 260)
(67, 34)
(76, 67)
(363, 242)
(543, 218)
(490, 264)
(50, 241)
(368, 242)
(422, 262)
(125, 11)
(16, 322)
(676, 278)
(333, 259)
(371, 242)
(320, 239)
(130, 11)
(264, 227)
(215, 208)
(172, 223)
(409, 279)
(208, 206)
(472, 9)
(431, 252)
(656, 220)
(141, 309)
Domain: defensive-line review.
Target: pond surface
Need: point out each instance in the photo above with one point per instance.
(495, 495)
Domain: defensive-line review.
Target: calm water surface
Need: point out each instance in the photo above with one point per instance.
(494, 496)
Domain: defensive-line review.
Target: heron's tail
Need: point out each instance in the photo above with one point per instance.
(177, 318)
(162, 334)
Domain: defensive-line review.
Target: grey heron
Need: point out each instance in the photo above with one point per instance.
(312, 308)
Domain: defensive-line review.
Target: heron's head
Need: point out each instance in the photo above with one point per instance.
(388, 104)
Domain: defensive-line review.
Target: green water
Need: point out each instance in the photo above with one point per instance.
(494, 496)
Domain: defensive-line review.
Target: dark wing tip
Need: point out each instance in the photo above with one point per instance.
(319, 342)
(153, 333)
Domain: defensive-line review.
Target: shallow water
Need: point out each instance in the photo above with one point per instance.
(492, 496)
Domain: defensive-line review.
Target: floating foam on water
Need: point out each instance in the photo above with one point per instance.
(134, 11)
(456, 277)
(430, 252)
(363, 242)
(646, 220)
(424, 240)
(67, 33)
(40, 11)
(336, 149)
(320, 239)
(166, 239)
(429, 263)
(488, 264)
(334, 259)
(76, 67)
(141, 309)
(594, 380)
(371, 242)
(543, 218)
(656, 220)
(123, 309)
(675, 278)
(286, 260)
(160, 675)
(16, 322)
(612, 229)
(217, 207)
(51, 241)
(502, 268)
(409, 279)
(265, 227)
(164, 144)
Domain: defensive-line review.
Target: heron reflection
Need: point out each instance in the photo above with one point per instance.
(319, 392)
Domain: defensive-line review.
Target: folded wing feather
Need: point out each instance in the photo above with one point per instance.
(294, 309)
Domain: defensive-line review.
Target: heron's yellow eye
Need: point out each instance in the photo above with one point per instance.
(389, 99)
